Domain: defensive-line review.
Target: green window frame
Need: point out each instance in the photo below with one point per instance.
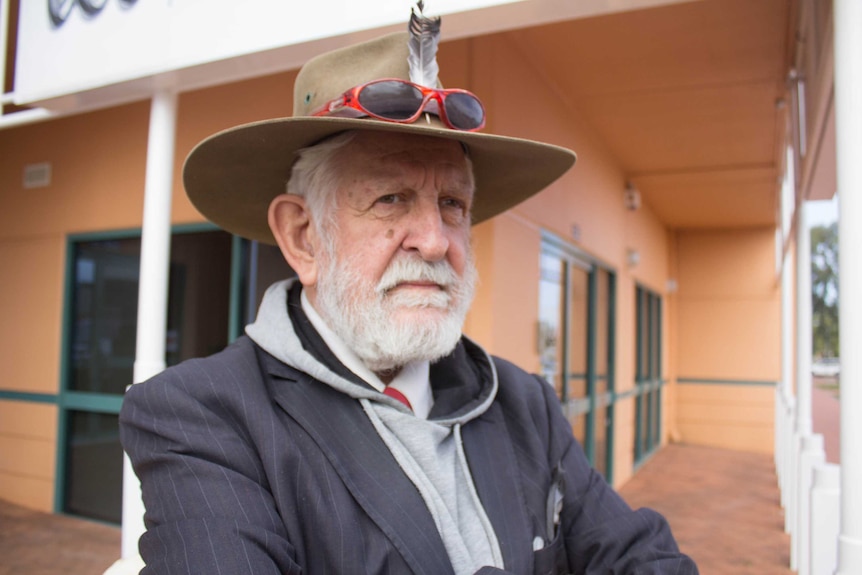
(649, 382)
(89, 403)
(576, 343)
(90, 414)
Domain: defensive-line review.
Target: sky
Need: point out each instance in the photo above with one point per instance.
(822, 212)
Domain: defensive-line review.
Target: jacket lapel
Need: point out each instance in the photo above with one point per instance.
(345, 435)
(462, 381)
(497, 479)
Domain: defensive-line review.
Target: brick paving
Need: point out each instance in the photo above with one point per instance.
(826, 416)
(34, 543)
(722, 506)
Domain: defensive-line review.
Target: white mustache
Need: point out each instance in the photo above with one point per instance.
(410, 269)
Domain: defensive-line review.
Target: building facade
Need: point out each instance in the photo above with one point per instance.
(644, 284)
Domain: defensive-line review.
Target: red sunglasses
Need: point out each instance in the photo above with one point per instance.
(403, 102)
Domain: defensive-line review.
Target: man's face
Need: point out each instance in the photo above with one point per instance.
(401, 278)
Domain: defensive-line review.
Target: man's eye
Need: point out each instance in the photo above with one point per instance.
(454, 203)
(388, 199)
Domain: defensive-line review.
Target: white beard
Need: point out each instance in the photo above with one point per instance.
(367, 317)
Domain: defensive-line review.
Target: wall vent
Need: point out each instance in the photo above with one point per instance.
(37, 175)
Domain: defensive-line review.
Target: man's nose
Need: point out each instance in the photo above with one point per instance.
(427, 233)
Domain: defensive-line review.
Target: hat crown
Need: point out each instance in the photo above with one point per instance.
(329, 75)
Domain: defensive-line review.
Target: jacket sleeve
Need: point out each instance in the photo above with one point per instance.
(601, 533)
(209, 508)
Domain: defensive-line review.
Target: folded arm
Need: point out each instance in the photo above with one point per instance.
(208, 505)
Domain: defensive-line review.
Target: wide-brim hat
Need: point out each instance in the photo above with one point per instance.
(232, 176)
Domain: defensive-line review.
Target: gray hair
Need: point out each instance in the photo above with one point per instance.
(315, 177)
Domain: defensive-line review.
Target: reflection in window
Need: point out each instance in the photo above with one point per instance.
(575, 343)
(551, 282)
(261, 265)
(104, 315)
(648, 370)
(602, 385)
(94, 466)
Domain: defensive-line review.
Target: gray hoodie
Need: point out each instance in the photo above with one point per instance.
(429, 451)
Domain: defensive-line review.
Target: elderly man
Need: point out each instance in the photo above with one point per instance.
(353, 429)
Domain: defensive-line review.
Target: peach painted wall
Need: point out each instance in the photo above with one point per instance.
(205, 112)
(504, 316)
(32, 312)
(98, 162)
(729, 338)
(28, 436)
(729, 305)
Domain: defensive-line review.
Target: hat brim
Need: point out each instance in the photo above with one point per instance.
(232, 176)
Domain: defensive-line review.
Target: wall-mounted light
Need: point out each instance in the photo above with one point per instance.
(633, 257)
(631, 197)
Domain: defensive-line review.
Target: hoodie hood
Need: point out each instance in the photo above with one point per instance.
(464, 383)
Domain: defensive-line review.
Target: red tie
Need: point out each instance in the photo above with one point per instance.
(392, 392)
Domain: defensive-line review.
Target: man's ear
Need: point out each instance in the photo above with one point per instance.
(296, 236)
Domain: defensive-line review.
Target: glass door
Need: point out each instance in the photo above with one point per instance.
(576, 344)
(648, 378)
(99, 349)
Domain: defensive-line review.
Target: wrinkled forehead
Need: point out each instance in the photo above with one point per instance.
(392, 156)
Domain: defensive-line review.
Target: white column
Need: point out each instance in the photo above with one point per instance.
(803, 448)
(152, 294)
(783, 424)
(790, 285)
(803, 425)
(848, 124)
(784, 395)
(779, 445)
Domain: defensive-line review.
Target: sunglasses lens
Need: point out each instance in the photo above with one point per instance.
(392, 100)
(464, 111)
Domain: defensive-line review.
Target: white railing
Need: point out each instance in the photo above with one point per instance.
(812, 516)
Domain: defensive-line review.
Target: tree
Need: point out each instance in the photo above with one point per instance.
(824, 290)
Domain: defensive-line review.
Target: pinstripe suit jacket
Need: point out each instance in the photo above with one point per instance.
(250, 466)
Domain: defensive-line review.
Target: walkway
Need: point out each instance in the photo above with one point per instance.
(826, 413)
(33, 543)
(722, 505)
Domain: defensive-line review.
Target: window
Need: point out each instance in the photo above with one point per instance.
(99, 349)
(259, 266)
(576, 344)
(648, 378)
